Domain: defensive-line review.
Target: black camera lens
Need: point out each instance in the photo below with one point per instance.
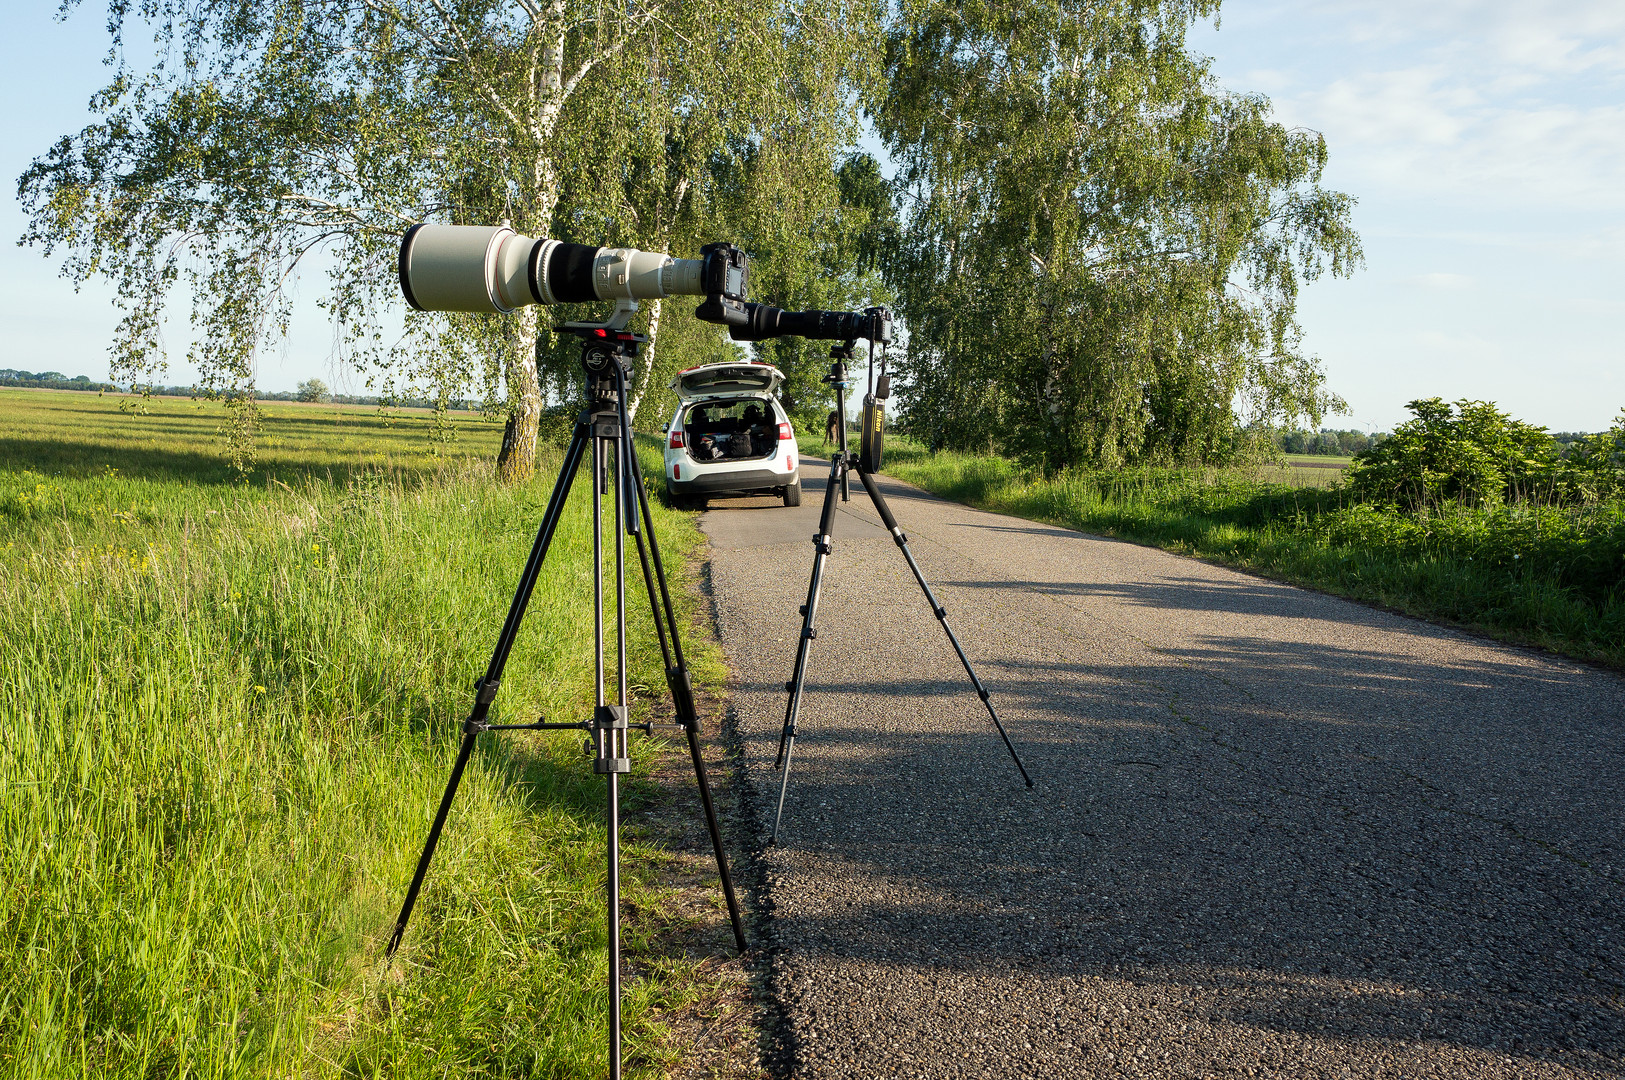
(763, 321)
(562, 275)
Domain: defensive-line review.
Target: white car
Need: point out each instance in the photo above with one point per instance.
(730, 435)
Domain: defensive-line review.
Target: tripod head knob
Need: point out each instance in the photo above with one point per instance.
(600, 357)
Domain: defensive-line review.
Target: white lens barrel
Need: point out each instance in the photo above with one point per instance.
(510, 272)
(494, 269)
(683, 277)
(627, 273)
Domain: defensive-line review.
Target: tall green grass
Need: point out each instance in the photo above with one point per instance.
(1543, 575)
(226, 715)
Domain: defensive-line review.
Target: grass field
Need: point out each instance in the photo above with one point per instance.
(229, 711)
(1305, 470)
(82, 435)
(1542, 575)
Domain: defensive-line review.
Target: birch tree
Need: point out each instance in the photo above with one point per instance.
(1103, 249)
(263, 132)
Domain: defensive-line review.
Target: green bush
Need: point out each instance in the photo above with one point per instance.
(1594, 470)
(1470, 453)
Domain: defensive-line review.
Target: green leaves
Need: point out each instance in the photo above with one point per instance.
(1469, 453)
(1474, 454)
(1103, 249)
(268, 132)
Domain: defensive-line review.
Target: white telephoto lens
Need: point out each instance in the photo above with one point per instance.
(465, 268)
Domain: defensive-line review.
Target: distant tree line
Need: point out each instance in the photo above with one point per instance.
(1334, 442)
(51, 380)
(312, 390)
(1327, 441)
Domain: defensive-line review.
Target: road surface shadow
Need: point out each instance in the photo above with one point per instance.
(1368, 870)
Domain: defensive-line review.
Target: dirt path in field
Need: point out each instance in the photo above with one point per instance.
(1273, 834)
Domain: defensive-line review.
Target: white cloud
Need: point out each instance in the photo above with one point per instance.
(1497, 104)
(1424, 132)
(1557, 36)
(1485, 142)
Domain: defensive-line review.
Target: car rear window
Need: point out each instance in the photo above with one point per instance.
(728, 415)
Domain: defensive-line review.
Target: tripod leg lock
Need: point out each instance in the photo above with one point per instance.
(485, 692)
(823, 544)
(682, 695)
(900, 536)
(810, 633)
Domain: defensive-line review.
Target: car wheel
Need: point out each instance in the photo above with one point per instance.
(792, 494)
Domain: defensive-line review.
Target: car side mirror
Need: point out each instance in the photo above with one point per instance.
(664, 428)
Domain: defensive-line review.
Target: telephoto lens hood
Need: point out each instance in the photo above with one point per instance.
(493, 269)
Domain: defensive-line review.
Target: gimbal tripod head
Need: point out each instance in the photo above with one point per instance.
(608, 344)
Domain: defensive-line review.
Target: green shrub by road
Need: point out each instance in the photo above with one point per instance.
(1540, 574)
(228, 714)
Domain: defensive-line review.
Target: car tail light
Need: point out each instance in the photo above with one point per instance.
(784, 432)
(676, 472)
(676, 442)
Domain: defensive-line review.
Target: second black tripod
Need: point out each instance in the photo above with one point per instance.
(605, 432)
(864, 464)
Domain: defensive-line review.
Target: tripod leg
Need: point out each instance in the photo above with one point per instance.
(941, 614)
(822, 543)
(612, 809)
(486, 692)
(614, 822)
(682, 690)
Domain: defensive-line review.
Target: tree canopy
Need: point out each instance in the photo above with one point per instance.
(267, 130)
(1095, 250)
(1102, 249)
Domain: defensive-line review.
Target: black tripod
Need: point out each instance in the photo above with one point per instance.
(863, 464)
(603, 429)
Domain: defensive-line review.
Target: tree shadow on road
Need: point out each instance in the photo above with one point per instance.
(1363, 847)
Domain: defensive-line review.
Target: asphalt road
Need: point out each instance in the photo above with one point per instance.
(1273, 833)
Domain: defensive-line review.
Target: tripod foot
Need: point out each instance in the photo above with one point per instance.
(784, 786)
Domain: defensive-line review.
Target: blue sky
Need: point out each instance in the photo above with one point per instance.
(1484, 140)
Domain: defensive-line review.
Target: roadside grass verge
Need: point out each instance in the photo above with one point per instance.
(1547, 576)
(229, 713)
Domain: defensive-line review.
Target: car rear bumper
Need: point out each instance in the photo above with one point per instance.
(733, 480)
